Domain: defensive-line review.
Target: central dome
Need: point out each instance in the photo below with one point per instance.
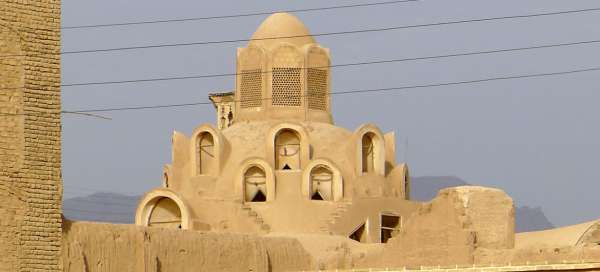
(281, 25)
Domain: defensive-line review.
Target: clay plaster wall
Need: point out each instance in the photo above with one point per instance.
(30, 183)
(449, 229)
(216, 200)
(105, 247)
(581, 234)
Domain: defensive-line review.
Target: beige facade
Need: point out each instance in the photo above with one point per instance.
(277, 165)
(280, 161)
(274, 186)
(30, 182)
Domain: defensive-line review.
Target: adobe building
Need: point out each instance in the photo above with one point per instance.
(273, 186)
(276, 162)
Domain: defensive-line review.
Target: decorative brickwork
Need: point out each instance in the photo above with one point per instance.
(30, 160)
(251, 88)
(317, 89)
(287, 86)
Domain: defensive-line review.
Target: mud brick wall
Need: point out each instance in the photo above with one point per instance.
(30, 133)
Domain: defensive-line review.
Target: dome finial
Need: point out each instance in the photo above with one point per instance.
(281, 27)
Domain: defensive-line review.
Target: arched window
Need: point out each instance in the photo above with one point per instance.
(166, 180)
(205, 148)
(255, 185)
(368, 153)
(321, 183)
(322, 180)
(287, 150)
(165, 214)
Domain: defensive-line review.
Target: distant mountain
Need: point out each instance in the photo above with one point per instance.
(102, 207)
(117, 208)
(531, 219)
(526, 218)
(426, 188)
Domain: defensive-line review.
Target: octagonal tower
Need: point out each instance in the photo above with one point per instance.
(283, 74)
(276, 162)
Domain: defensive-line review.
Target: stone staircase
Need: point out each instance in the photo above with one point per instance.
(340, 210)
(253, 216)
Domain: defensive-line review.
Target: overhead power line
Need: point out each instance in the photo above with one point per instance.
(532, 15)
(465, 82)
(485, 52)
(237, 15)
(321, 34)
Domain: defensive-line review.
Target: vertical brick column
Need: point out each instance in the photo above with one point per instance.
(30, 150)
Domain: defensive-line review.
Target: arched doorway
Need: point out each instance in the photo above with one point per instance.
(255, 185)
(287, 150)
(165, 214)
(321, 183)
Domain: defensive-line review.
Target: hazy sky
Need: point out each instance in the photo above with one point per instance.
(538, 139)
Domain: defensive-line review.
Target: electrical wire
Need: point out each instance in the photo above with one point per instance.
(532, 15)
(237, 15)
(324, 34)
(332, 93)
(494, 51)
(548, 74)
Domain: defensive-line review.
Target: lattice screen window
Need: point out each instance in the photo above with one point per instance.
(287, 86)
(317, 89)
(251, 88)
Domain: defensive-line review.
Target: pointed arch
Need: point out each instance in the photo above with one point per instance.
(405, 181)
(163, 208)
(207, 151)
(317, 77)
(250, 79)
(255, 177)
(287, 76)
(369, 150)
(167, 176)
(323, 177)
(288, 145)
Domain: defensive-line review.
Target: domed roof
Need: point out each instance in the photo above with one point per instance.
(281, 25)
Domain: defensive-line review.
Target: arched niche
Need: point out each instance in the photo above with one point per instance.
(287, 76)
(288, 145)
(405, 181)
(323, 177)
(167, 176)
(163, 208)
(369, 150)
(207, 151)
(255, 184)
(287, 150)
(317, 77)
(250, 78)
(255, 175)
